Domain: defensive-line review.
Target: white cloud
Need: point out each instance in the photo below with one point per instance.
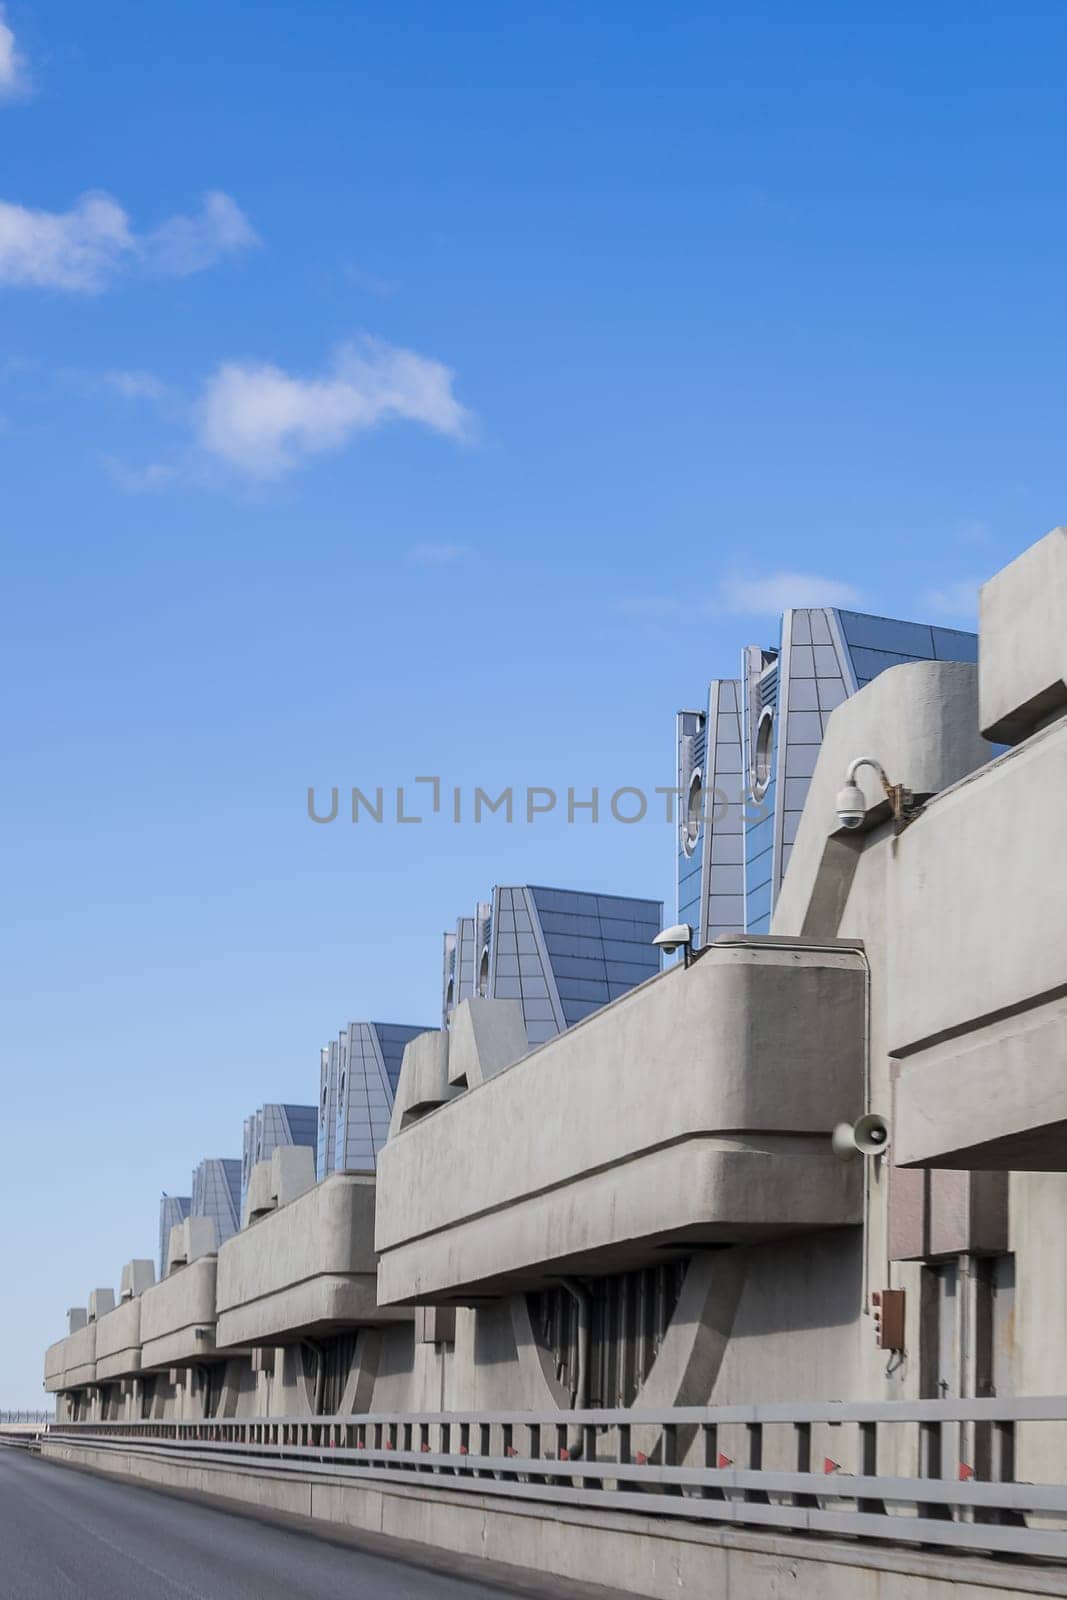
(957, 599)
(438, 555)
(13, 79)
(777, 591)
(72, 250)
(184, 245)
(264, 421)
(81, 250)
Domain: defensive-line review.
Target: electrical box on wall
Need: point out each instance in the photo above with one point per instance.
(888, 1308)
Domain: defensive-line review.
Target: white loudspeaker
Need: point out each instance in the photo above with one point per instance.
(867, 1137)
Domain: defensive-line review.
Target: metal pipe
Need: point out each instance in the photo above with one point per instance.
(320, 1373)
(584, 1301)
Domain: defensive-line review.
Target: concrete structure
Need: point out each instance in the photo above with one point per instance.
(268, 1283)
(620, 1170)
(560, 952)
(173, 1208)
(358, 1074)
(267, 1128)
(987, 1010)
(645, 1209)
(745, 761)
(326, 1138)
(369, 1070)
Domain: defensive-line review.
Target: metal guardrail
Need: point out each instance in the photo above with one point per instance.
(677, 1463)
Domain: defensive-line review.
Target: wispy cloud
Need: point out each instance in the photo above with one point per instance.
(973, 532)
(82, 250)
(741, 596)
(438, 555)
(136, 385)
(777, 591)
(265, 421)
(184, 245)
(139, 480)
(14, 76)
(370, 282)
(958, 599)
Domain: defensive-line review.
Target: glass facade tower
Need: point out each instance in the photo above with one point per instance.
(173, 1209)
(358, 1075)
(746, 761)
(561, 952)
(217, 1194)
(269, 1127)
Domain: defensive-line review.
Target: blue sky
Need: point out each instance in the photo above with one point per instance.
(399, 389)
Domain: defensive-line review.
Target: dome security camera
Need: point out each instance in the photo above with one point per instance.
(851, 806)
(672, 939)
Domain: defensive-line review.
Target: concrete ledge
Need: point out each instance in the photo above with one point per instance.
(695, 1108)
(304, 1268)
(70, 1363)
(320, 1304)
(630, 1554)
(118, 1342)
(992, 1099)
(178, 1316)
(700, 1192)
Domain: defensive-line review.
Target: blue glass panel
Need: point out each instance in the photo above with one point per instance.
(951, 645)
(758, 871)
(757, 905)
(886, 633)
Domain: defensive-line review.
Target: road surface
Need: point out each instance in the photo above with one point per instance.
(66, 1535)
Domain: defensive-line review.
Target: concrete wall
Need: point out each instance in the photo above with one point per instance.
(979, 1019)
(694, 1109)
(178, 1316)
(118, 1341)
(304, 1268)
(1023, 660)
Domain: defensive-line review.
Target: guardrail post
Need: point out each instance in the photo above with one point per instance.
(930, 1463)
(1002, 1470)
(802, 1443)
(754, 1430)
(533, 1448)
(868, 1464)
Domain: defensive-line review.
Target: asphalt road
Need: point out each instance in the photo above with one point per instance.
(66, 1535)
